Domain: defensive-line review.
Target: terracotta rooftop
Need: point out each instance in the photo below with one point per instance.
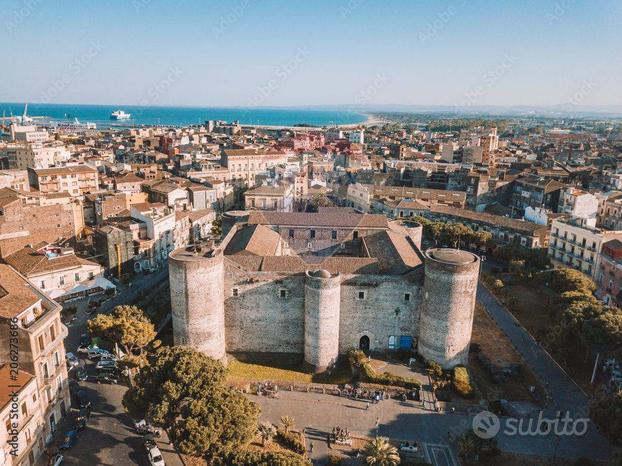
(16, 294)
(30, 261)
(308, 219)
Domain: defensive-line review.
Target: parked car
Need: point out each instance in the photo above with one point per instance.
(84, 413)
(83, 349)
(108, 357)
(155, 457)
(81, 374)
(95, 352)
(107, 377)
(72, 360)
(106, 364)
(71, 438)
(85, 339)
(57, 460)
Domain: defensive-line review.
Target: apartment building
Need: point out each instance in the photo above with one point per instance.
(36, 319)
(368, 198)
(609, 273)
(159, 222)
(278, 198)
(54, 270)
(24, 221)
(535, 191)
(14, 179)
(577, 203)
(21, 442)
(610, 211)
(76, 180)
(245, 164)
(577, 243)
(37, 155)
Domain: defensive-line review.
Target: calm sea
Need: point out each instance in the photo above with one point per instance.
(181, 116)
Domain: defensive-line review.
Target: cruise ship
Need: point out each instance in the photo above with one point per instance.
(120, 115)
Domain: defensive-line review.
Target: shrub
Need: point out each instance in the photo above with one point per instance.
(291, 441)
(462, 382)
(498, 284)
(263, 458)
(334, 460)
(434, 369)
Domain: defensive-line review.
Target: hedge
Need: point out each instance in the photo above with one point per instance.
(291, 441)
(462, 382)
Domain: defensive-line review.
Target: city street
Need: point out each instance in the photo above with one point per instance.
(109, 438)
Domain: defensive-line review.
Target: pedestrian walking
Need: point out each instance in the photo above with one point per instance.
(366, 406)
(311, 447)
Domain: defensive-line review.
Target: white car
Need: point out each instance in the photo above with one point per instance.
(155, 457)
(57, 460)
(72, 360)
(106, 364)
(95, 352)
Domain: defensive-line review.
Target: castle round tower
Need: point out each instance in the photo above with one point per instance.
(322, 313)
(449, 294)
(196, 276)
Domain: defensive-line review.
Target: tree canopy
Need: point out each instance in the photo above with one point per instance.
(185, 392)
(128, 326)
(606, 412)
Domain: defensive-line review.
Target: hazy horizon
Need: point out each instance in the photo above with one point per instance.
(353, 53)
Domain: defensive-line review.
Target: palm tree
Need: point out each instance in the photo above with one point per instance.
(266, 431)
(379, 452)
(287, 422)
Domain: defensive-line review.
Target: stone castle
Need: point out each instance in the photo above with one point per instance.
(319, 284)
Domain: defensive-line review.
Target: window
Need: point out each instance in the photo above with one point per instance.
(291, 233)
(333, 234)
(24, 410)
(283, 294)
(41, 343)
(392, 342)
(406, 296)
(91, 275)
(61, 280)
(235, 292)
(355, 234)
(52, 333)
(77, 277)
(56, 359)
(361, 295)
(42, 285)
(312, 234)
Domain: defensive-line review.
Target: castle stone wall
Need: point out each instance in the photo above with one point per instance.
(448, 305)
(197, 301)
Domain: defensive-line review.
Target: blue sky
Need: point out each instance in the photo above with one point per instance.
(288, 53)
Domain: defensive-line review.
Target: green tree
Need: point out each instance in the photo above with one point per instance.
(218, 422)
(379, 452)
(319, 200)
(606, 412)
(287, 422)
(603, 331)
(128, 326)
(565, 279)
(216, 229)
(185, 392)
(266, 432)
(473, 449)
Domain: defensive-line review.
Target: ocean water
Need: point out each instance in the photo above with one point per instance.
(182, 116)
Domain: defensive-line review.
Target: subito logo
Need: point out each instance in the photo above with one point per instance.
(486, 425)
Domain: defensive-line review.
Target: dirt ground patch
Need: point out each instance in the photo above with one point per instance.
(496, 347)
